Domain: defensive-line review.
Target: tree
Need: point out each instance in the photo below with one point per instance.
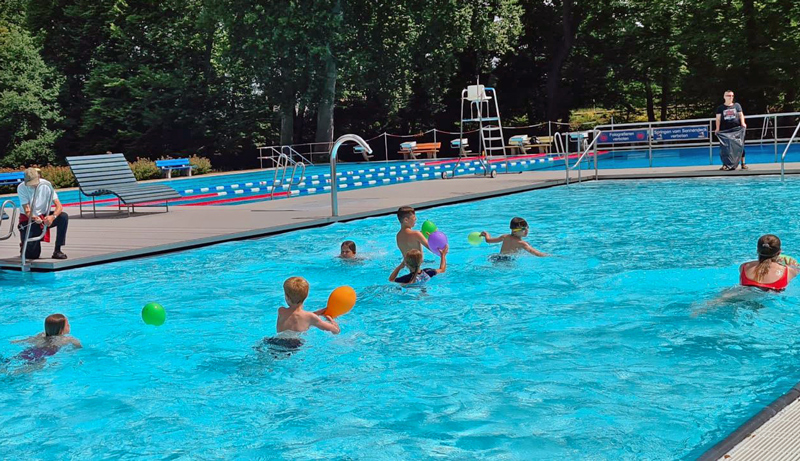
(28, 93)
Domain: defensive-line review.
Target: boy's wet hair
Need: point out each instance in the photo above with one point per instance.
(404, 212)
(518, 223)
(54, 324)
(413, 259)
(350, 244)
(296, 289)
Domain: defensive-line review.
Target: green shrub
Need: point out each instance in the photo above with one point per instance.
(145, 169)
(60, 176)
(202, 165)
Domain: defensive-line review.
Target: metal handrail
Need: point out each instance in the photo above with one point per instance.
(293, 152)
(12, 217)
(334, 151)
(31, 222)
(783, 156)
(592, 146)
(282, 164)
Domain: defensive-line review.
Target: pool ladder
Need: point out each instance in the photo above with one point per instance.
(4, 215)
(282, 165)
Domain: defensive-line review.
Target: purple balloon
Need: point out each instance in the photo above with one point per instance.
(437, 241)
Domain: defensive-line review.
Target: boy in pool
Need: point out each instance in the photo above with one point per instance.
(348, 250)
(294, 318)
(46, 344)
(513, 243)
(418, 276)
(408, 238)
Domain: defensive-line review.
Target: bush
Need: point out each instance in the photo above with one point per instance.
(145, 169)
(60, 176)
(202, 165)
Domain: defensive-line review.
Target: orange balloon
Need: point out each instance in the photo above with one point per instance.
(341, 301)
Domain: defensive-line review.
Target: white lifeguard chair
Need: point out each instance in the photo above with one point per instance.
(485, 111)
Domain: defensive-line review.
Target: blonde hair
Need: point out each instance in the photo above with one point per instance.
(413, 260)
(296, 289)
(769, 248)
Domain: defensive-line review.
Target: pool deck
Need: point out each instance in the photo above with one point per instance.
(114, 236)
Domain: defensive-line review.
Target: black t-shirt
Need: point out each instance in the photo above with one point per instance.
(421, 278)
(730, 116)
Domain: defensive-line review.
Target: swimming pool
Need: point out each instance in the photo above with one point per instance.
(590, 354)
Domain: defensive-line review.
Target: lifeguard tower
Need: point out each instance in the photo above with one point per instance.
(479, 105)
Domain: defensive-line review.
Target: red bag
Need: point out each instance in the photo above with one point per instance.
(23, 219)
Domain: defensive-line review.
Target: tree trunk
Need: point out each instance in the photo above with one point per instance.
(325, 110)
(287, 115)
(648, 90)
(569, 27)
(665, 95)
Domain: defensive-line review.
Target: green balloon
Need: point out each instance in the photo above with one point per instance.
(154, 314)
(428, 228)
(474, 238)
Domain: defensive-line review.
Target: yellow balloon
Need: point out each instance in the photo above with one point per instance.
(341, 301)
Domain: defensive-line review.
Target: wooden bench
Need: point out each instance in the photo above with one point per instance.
(413, 149)
(110, 174)
(523, 143)
(12, 178)
(174, 164)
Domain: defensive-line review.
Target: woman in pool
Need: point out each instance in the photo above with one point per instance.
(767, 273)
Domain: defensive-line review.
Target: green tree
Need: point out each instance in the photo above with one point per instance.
(28, 94)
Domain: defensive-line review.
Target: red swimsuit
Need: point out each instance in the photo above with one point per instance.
(778, 285)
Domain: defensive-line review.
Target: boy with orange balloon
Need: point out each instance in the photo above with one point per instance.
(294, 318)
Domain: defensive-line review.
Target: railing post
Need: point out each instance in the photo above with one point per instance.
(775, 135)
(710, 143)
(386, 146)
(650, 143)
(334, 152)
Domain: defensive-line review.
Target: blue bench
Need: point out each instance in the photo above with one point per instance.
(174, 164)
(11, 179)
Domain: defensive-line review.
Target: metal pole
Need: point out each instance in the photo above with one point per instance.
(596, 174)
(650, 143)
(775, 135)
(334, 151)
(783, 156)
(386, 146)
(710, 143)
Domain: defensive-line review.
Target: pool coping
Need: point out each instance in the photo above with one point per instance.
(724, 446)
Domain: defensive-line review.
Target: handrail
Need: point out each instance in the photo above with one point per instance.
(293, 152)
(592, 145)
(559, 144)
(334, 151)
(282, 164)
(706, 120)
(12, 217)
(27, 238)
(783, 156)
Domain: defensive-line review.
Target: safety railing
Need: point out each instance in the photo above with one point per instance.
(31, 221)
(592, 147)
(783, 156)
(651, 143)
(334, 153)
(282, 165)
(11, 218)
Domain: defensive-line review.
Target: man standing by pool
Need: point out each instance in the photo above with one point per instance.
(42, 216)
(730, 130)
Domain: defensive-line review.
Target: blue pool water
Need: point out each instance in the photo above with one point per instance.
(610, 350)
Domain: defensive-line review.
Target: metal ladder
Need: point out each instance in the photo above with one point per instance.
(282, 165)
(25, 267)
(4, 215)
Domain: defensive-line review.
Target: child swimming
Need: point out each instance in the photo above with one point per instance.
(294, 318)
(348, 250)
(418, 276)
(513, 243)
(46, 344)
